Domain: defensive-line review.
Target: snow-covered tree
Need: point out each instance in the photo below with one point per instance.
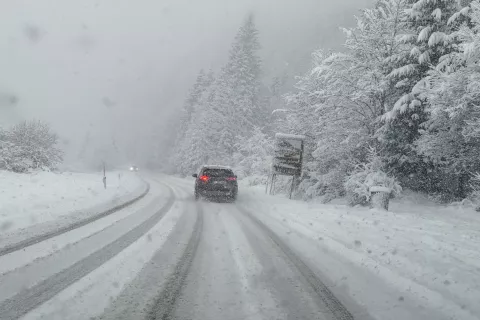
(203, 81)
(274, 104)
(187, 151)
(450, 137)
(29, 145)
(254, 155)
(243, 72)
(429, 37)
(197, 147)
(227, 109)
(430, 26)
(341, 99)
(237, 90)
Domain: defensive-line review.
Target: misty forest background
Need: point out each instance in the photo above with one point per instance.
(397, 106)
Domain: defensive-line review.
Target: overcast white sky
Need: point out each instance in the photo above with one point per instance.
(124, 65)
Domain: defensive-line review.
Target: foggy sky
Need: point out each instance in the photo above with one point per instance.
(121, 67)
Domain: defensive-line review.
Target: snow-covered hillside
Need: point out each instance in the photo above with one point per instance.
(29, 199)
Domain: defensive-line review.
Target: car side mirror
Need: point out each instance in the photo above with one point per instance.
(195, 175)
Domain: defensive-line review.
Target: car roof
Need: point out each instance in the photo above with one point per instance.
(214, 166)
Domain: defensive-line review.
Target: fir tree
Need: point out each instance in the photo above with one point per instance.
(450, 139)
(237, 95)
(429, 37)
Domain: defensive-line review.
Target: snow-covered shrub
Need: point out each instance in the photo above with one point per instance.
(12, 158)
(326, 186)
(29, 145)
(366, 175)
(310, 188)
(255, 180)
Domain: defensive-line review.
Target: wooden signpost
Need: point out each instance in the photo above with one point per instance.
(287, 160)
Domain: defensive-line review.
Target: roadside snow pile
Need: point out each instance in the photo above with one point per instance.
(419, 251)
(41, 197)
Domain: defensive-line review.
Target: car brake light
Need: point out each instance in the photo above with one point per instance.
(231, 179)
(204, 178)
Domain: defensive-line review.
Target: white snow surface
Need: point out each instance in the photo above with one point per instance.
(31, 199)
(420, 260)
(89, 296)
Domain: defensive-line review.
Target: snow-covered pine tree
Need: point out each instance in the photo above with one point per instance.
(223, 122)
(244, 69)
(451, 138)
(226, 109)
(429, 37)
(190, 131)
(199, 144)
(253, 157)
(203, 81)
(236, 101)
(430, 27)
(274, 103)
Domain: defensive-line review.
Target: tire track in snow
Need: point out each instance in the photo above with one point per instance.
(164, 305)
(29, 299)
(323, 292)
(50, 234)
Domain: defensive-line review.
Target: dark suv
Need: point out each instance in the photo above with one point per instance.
(216, 182)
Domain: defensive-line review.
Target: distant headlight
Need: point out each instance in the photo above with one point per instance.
(132, 168)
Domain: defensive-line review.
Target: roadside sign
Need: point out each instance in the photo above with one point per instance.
(287, 159)
(288, 155)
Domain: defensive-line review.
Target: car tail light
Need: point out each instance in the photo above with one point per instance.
(204, 178)
(231, 179)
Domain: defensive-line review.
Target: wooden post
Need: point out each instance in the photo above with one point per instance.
(380, 197)
(266, 186)
(272, 184)
(292, 187)
(104, 177)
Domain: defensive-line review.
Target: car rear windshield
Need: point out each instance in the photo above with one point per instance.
(218, 172)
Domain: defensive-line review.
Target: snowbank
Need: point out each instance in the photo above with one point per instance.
(416, 258)
(31, 199)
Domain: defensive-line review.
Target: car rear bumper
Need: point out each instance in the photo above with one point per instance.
(217, 193)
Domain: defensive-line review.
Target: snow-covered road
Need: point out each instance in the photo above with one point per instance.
(170, 257)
